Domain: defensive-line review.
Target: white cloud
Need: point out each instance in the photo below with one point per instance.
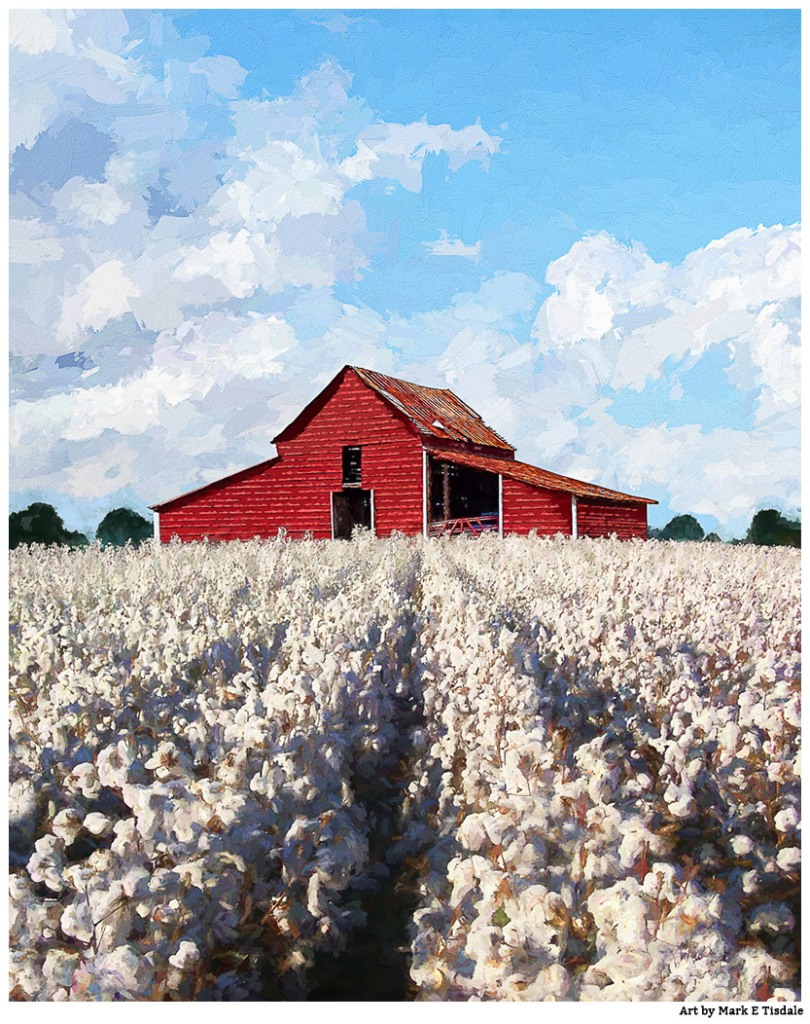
(444, 246)
(399, 150)
(104, 294)
(35, 32)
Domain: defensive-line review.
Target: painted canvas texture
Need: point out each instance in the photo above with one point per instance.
(405, 506)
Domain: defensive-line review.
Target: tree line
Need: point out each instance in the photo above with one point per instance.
(41, 524)
(768, 528)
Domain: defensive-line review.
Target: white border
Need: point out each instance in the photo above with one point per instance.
(574, 531)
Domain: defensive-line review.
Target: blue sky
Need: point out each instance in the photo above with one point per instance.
(585, 222)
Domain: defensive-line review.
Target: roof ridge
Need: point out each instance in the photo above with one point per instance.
(422, 404)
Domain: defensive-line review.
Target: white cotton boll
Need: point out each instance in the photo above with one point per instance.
(461, 873)
(787, 819)
(792, 713)
(25, 972)
(789, 858)
(97, 824)
(48, 862)
(750, 882)
(86, 779)
(127, 837)
(679, 800)
(122, 970)
(135, 883)
(186, 956)
(77, 920)
(317, 897)
(471, 833)
(59, 967)
(169, 763)
(498, 827)
(741, 845)
(783, 995)
(68, 824)
(113, 764)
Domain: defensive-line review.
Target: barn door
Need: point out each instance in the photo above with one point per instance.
(350, 508)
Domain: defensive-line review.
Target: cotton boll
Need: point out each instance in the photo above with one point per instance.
(59, 968)
(472, 832)
(789, 858)
(87, 780)
(786, 819)
(186, 956)
(77, 920)
(68, 824)
(97, 824)
(47, 863)
(741, 845)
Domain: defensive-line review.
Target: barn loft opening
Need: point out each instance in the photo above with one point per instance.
(461, 499)
(352, 466)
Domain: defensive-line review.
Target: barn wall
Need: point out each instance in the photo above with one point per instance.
(528, 508)
(294, 491)
(599, 519)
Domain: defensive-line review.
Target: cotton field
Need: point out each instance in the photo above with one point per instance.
(564, 770)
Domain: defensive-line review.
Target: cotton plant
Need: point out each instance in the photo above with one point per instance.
(201, 813)
(600, 725)
(599, 799)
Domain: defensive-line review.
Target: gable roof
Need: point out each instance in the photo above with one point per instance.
(536, 477)
(435, 412)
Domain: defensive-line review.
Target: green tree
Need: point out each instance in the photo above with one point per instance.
(40, 523)
(769, 527)
(714, 538)
(682, 528)
(122, 525)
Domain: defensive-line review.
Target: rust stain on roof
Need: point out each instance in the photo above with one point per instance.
(536, 477)
(434, 411)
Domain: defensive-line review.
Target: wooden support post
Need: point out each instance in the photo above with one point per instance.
(425, 493)
(446, 489)
(574, 529)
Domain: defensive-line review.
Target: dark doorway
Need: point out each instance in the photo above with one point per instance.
(351, 508)
(469, 492)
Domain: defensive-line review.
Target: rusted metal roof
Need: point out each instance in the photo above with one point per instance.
(434, 411)
(535, 477)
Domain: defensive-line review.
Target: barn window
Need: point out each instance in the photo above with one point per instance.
(352, 467)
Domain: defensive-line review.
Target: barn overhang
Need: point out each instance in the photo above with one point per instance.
(536, 477)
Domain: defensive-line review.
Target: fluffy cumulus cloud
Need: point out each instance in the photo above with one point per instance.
(718, 331)
(178, 249)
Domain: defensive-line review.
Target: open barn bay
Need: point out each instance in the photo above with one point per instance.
(394, 769)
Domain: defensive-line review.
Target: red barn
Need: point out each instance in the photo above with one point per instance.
(378, 452)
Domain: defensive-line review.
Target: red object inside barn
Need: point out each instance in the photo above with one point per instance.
(375, 451)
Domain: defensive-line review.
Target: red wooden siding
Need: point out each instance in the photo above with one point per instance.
(528, 508)
(599, 519)
(293, 492)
